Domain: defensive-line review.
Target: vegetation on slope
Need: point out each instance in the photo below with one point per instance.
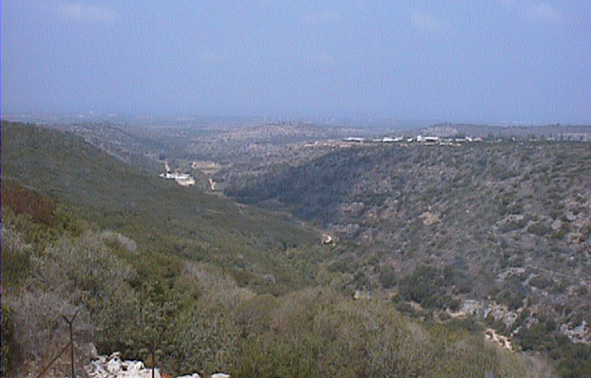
(503, 223)
(158, 214)
(198, 319)
(479, 210)
(251, 299)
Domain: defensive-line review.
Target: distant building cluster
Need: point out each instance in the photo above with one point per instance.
(420, 139)
(183, 179)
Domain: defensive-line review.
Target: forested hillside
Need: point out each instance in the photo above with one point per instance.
(161, 216)
(208, 284)
(197, 317)
(507, 224)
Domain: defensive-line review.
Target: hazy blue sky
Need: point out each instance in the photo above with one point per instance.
(476, 61)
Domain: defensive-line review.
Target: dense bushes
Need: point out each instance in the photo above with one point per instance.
(212, 285)
(16, 258)
(388, 276)
(423, 286)
(573, 360)
(197, 319)
(25, 201)
(11, 352)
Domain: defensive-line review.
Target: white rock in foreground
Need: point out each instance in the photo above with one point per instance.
(194, 375)
(113, 367)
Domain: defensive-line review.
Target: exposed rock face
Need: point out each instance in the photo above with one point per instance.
(429, 218)
(578, 334)
(502, 341)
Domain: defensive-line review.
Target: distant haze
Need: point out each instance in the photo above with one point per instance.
(498, 61)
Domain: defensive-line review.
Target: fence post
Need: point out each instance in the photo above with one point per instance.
(153, 361)
(70, 323)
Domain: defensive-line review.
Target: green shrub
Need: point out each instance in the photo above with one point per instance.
(11, 353)
(423, 286)
(538, 228)
(388, 277)
(26, 201)
(540, 281)
(16, 258)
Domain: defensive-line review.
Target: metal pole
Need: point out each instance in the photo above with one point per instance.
(72, 350)
(153, 362)
(70, 324)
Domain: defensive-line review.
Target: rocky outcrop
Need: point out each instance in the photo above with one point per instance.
(114, 367)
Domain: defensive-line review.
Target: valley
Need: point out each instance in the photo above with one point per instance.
(438, 245)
